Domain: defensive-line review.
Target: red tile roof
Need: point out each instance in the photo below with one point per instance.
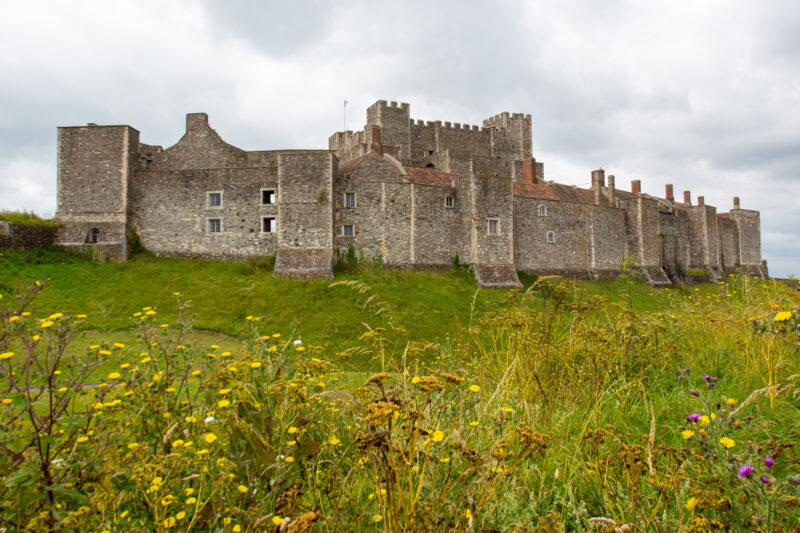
(349, 166)
(429, 176)
(556, 191)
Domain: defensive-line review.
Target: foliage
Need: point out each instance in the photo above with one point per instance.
(26, 217)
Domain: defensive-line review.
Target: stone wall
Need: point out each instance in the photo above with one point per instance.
(16, 236)
(394, 122)
(728, 245)
(95, 166)
(674, 245)
(748, 227)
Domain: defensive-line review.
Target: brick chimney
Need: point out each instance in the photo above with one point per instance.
(701, 200)
(670, 194)
(598, 182)
(529, 170)
(191, 118)
(374, 139)
(736, 202)
(687, 197)
(636, 186)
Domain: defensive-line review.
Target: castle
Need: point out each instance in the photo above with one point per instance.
(413, 194)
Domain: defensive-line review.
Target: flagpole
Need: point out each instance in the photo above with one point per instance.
(344, 116)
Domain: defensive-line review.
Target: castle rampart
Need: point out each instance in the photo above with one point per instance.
(407, 193)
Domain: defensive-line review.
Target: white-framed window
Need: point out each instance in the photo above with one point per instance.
(493, 226)
(449, 201)
(268, 225)
(214, 199)
(551, 237)
(93, 236)
(214, 225)
(349, 199)
(542, 210)
(348, 230)
(267, 196)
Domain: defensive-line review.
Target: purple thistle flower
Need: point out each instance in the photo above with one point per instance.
(707, 377)
(769, 462)
(746, 471)
(694, 417)
(694, 392)
(764, 479)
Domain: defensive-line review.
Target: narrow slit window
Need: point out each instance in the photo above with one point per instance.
(551, 237)
(267, 196)
(268, 224)
(449, 201)
(348, 230)
(214, 225)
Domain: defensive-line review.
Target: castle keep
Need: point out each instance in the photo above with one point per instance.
(414, 194)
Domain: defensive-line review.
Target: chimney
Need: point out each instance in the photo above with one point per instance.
(191, 118)
(374, 139)
(687, 197)
(701, 200)
(670, 194)
(598, 182)
(736, 202)
(612, 191)
(529, 170)
(636, 186)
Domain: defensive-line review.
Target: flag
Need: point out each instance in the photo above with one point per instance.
(345, 103)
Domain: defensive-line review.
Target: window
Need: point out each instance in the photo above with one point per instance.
(268, 224)
(430, 152)
(542, 211)
(348, 230)
(215, 199)
(214, 225)
(493, 226)
(448, 201)
(93, 236)
(349, 199)
(267, 196)
(551, 237)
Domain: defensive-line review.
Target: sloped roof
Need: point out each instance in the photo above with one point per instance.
(429, 176)
(348, 166)
(556, 191)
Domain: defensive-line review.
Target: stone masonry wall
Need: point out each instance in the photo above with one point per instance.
(25, 236)
(748, 226)
(95, 165)
(728, 244)
(491, 197)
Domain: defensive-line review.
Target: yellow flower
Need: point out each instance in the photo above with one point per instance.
(300, 348)
(467, 514)
(255, 365)
(727, 442)
(415, 380)
(46, 324)
(124, 365)
(438, 436)
(6, 401)
(190, 419)
(292, 430)
(224, 391)
(223, 403)
(188, 491)
(237, 528)
(190, 501)
(6, 355)
(277, 520)
(82, 439)
(474, 388)
(13, 318)
(473, 423)
(508, 410)
(704, 420)
(731, 402)
(180, 515)
(377, 518)
(289, 459)
(36, 337)
(55, 316)
(104, 352)
(225, 354)
(133, 445)
(118, 345)
(209, 437)
(114, 375)
(691, 503)
(242, 489)
(335, 441)
(687, 434)
(196, 373)
(783, 316)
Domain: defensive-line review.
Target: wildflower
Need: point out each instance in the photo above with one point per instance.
(691, 503)
(769, 462)
(46, 324)
(301, 348)
(377, 518)
(289, 459)
(223, 403)
(225, 354)
(237, 528)
(145, 360)
(467, 514)
(438, 436)
(473, 423)
(745, 471)
(704, 420)
(731, 402)
(415, 380)
(764, 479)
(292, 430)
(209, 437)
(727, 442)
(133, 445)
(118, 345)
(55, 316)
(377, 378)
(242, 489)
(6, 355)
(474, 388)
(255, 365)
(224, 391)
(783, 316)
(114, 375)
(694, 392)
(508, 410)
(277, 521)
(694, 417)
(82, 439)
(533, 440)
(335, 441)
(196, 373)
(180, 515)
(13, 318)
(297, 342)
(687, 434)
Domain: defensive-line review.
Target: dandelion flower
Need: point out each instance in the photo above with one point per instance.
(335, 441)
(46, 324)
(224, 391)
(377, 518)
(289, 459)
(292, 430)
(727, 442)
(242, 489)
(118, 345)
(277, 520)
(237, 528)
(783, 316)
(474, 388)
(255, 365)
(133, 445)
(687, 434)
(196, 373)
(180, 515)
(731, 402)
(114, 375)
(190, 501)
(691, 503)
(6, 355)
(438, 436)
(223, 403)
(55, 316)
(82, 439)
(467, 514)
(209, 437)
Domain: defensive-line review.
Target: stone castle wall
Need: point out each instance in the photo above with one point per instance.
(18, 236)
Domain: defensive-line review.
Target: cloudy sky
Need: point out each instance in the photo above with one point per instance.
(701, 94)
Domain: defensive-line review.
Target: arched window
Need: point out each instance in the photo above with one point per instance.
(551, 237)
(93, 236)
(542, 211)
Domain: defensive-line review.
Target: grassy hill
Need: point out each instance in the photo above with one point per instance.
(415, 401)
